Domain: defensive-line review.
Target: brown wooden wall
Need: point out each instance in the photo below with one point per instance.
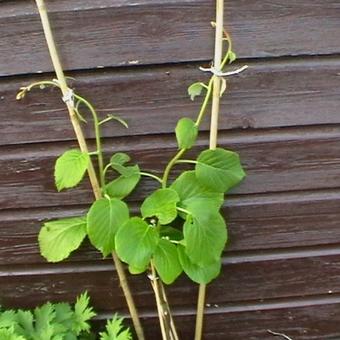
(136, 59)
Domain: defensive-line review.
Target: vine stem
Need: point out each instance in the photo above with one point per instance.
(213, 137)
(83, 147)
(164, 313)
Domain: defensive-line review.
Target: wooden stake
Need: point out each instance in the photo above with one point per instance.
(83, 147)
(213, 138)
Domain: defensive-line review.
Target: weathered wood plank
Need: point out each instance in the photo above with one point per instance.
(152, 31)
(311, 322)
(269, 94)
(255, 223)
(275, 161)
(243, 278)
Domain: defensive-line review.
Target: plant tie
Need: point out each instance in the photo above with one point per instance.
(219, 73)
(68, 97)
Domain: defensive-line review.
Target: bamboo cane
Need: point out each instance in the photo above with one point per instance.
(213, 138)
(83, 147)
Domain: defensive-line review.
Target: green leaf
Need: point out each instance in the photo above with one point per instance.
(44, 316)
(118, 161)
(82, 314)
(70, 168)
(57, 239)
(137, 271)
(126, 171)
(186, 133)
(136, 241)
(193, 195)
(232, 57)
(195, 90)
(104, 218)
(219, 169)
(63, 318)
(9, 334)
(115, 330)
(198, 274)
(167, 262)
(8, 318)
(122, 186)
(161, 204)
(25, 325)
(205, 235)
(120, 158)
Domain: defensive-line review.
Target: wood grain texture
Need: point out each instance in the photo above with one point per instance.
(255, 223)
(300, 322)
(243, 279)
(275, 161)
(268, 94)
(153, 31)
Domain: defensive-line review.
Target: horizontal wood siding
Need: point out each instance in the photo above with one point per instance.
(135, 59)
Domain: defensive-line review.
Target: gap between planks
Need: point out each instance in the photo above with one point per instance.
(229, 258)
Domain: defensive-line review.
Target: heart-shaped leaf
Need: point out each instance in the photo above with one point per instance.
(186, 133)
(167, 262)
(104, 219)
(205, 235)
(70, 168)
(136, 242)
(219, 169)
(57, 239)
(161, 204)
(198, 274)
(122, 186)
(193, 195)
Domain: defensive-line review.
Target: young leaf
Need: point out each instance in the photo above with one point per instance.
(232, 57)
(219, 169)
(82, 314)
(198, 274)
(193, 194)
(57, 239)
(115, 330)
(70, 168)
(161, 204)
(205, 235)
(223, 86)
(136, 241)
(118, 161)
(186, 133)
(126, 171)
(122, 186)
(120, 158)
(195, 90)
(167, 262)
(103, 220)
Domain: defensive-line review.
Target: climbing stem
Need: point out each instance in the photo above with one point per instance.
(168, 168)
(146, 174)
(83, 146)
(205, 102)
(97, 131)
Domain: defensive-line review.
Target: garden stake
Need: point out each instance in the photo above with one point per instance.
(213, 137)
(68, 99)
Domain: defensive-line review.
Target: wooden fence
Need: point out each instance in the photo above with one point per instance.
(281, 270)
